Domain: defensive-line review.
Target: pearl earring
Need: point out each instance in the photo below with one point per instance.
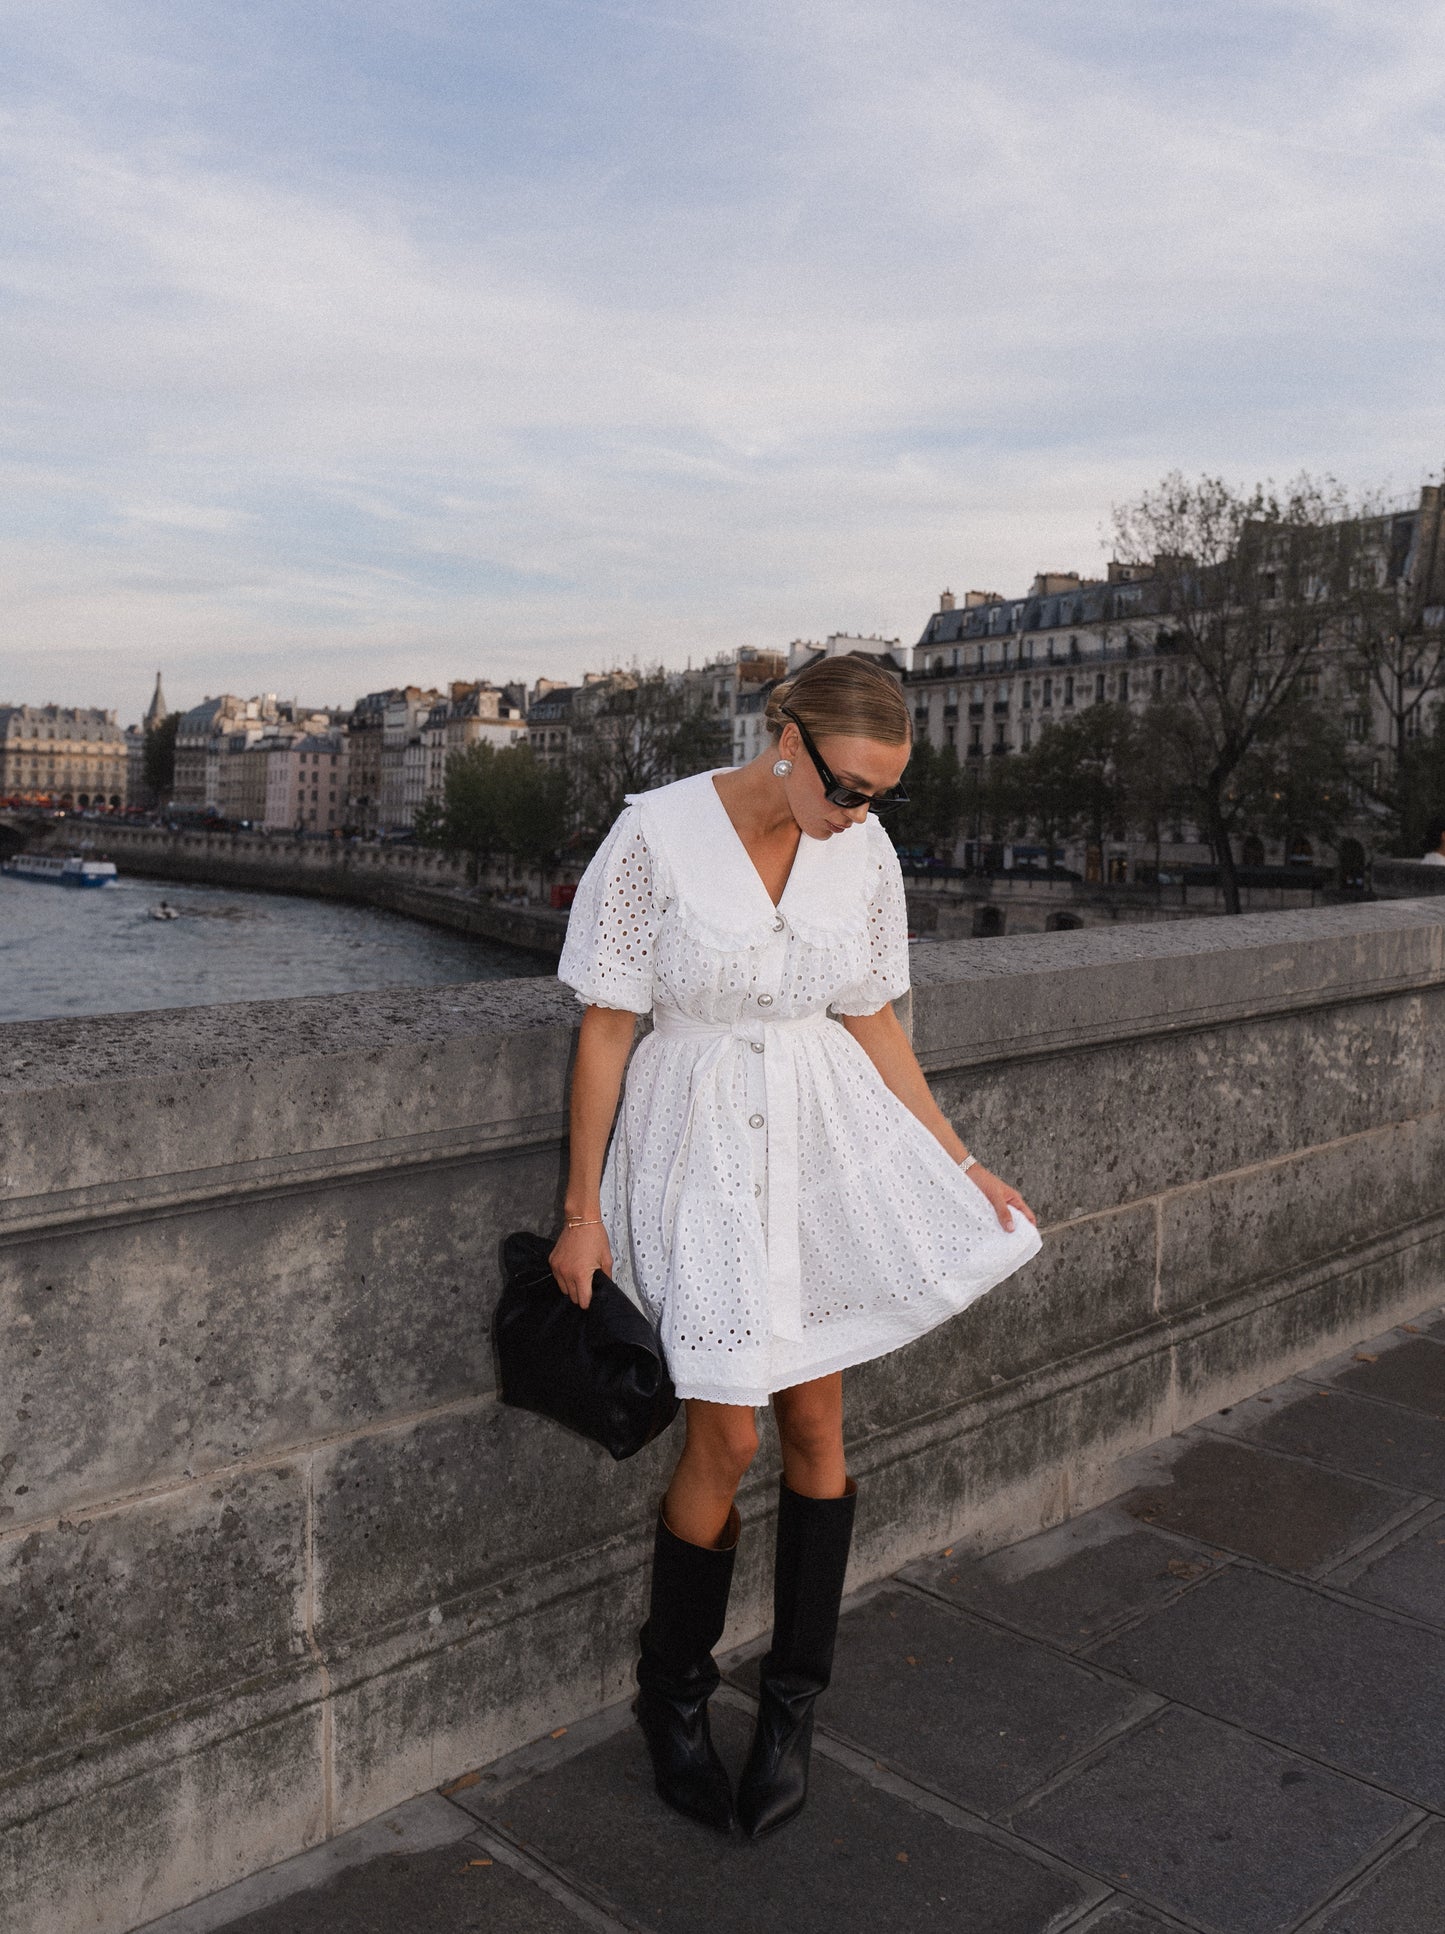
(782, 767)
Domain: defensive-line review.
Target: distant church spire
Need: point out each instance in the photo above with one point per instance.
(157, 708)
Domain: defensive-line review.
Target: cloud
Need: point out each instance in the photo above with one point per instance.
(349, 344)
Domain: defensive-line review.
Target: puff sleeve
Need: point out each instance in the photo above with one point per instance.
(887, 975)
(607, 955)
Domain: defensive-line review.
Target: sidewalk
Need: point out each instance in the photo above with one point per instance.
(1215, 1703)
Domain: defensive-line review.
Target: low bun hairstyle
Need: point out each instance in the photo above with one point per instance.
(851, 696)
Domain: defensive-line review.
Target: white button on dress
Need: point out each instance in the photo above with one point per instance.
(867, 1234)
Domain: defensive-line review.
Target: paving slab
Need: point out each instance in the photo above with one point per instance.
(1409, 1577)
(1233, 1835)
(1362, 1690)
(1349, 1433)
(1403, 1894)
(1410, 1373)
(450, 1890)
(419, 1827)
(1071, 1583)
(1128, 1920)
(1249, 1500)
(857, 1855)
(981, 1715)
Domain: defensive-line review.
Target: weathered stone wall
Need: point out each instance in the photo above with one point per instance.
(272, 1558)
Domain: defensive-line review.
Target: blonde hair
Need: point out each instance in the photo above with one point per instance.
(852, 696)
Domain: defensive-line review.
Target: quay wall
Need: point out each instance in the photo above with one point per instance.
(272, 1557)
(424, 885)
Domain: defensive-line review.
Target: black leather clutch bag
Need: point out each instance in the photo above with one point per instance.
(598, 1370)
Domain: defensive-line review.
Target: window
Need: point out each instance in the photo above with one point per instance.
(1098, 688)
(1048, 691)
(1069, 688)
(1026, 735)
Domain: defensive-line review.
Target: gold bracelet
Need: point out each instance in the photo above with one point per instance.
(583, 1222)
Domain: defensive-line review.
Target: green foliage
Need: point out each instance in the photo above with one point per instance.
(1106, 772)
(1421, 794)
(160, 757)
(938, 800)
(1077, 775)
(505, 804)
(1294, 779)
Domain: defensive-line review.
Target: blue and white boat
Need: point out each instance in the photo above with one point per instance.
(69, 870)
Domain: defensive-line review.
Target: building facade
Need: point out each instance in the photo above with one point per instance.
(991, 674)
(62, 755)
(210, 734)
(306, 783)
(403, 713)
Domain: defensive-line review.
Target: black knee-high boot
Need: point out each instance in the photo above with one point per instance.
(814, 1535)
(676, 1675)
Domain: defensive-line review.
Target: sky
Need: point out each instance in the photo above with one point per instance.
(356, 343)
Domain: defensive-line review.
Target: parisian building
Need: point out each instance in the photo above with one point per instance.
(62, 755)
(989, 674)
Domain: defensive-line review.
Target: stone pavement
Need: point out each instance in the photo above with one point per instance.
(1215, 1703)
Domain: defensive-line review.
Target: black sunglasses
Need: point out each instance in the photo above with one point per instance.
(834, 791)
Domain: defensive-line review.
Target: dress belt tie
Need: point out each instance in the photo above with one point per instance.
(780, 1077)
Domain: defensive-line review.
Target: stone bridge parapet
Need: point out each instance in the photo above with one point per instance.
(272, 1557)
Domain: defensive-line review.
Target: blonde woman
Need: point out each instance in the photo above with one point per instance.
(781, 1194)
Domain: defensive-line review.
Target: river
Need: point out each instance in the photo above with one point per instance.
(66, 950)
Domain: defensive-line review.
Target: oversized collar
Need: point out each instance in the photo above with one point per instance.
(709, 872)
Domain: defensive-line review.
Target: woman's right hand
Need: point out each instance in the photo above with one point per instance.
(576, 1256)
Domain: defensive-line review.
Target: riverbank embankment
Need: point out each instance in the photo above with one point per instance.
(410, 880)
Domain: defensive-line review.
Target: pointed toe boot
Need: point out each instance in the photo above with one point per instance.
(676, 1675)
(814, 1537)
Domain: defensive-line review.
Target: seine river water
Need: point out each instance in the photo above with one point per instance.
(66, 950)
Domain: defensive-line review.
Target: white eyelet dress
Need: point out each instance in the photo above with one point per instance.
(771, 1205)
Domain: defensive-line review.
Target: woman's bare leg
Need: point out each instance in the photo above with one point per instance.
(810, 1426)
(722, 1440)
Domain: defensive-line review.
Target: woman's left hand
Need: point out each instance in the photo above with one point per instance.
(1002, 1195)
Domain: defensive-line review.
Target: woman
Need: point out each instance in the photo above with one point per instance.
(782, 1195)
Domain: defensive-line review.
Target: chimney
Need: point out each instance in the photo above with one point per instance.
(946, 602)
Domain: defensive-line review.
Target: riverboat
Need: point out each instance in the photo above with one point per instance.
(58, 870)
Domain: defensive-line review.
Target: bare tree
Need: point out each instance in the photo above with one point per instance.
(1245, 588)
(634, 731)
